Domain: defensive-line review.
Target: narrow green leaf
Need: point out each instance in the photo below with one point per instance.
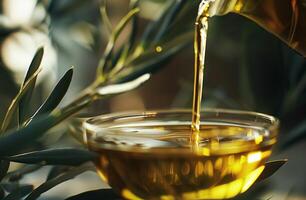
(19, 193)
(152, 29)
(145, 40)
(65, 156)
(56, 95)
(4, 166)
(133, 34)
(270, 168)
(104, 17)
(116, 33)
(123, 22)
(24, 101)
(56, 181)
(96, 194)
(168, 19)
(14, 104)
(152, 60)
(17, 140)
(183, 20)
(122, 55)
(120, 62)
(14, 141)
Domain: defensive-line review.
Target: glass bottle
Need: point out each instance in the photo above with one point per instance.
(286, 19)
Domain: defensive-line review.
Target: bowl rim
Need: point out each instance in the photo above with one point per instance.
(90, 129)
(88, 123)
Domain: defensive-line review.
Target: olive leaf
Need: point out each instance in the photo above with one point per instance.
(149, 32)
(156, 30)
(17, 140)
(152, 60)
(25, 99)
(168, 19)
(114, 36)
(14, 104)
(56, 95)
(133, 34)
(104, 17)
(57, 180)
(270, 168)
(64, 156)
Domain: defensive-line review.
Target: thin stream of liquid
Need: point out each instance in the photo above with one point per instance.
(201, 27)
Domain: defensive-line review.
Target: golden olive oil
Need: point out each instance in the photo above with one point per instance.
(157, 161)
(201, 27)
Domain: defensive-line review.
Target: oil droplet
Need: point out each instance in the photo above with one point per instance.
(158, 49)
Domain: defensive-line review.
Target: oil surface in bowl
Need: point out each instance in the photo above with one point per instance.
(158, 161)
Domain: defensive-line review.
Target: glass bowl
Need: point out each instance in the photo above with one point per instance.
(149, 155)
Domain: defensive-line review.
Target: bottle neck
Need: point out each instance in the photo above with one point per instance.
(222, 7)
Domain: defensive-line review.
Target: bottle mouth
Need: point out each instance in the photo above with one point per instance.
(168, 131)
(222, 7)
